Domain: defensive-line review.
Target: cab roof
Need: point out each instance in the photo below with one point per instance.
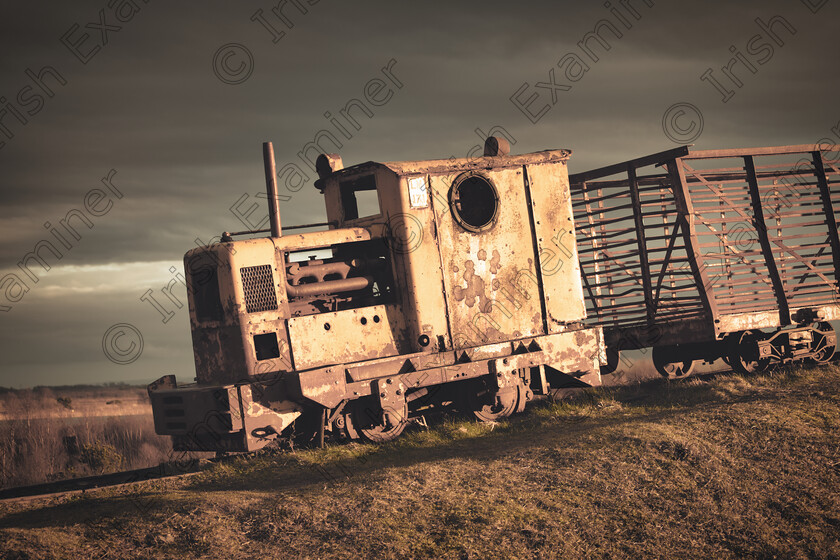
(435, 166)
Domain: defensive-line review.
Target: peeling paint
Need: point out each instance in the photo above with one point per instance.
(495, 263)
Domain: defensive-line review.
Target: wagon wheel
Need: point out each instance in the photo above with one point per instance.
(489, 404)
(366, 420)
(824, 344)
(668, 365)
(743, 356)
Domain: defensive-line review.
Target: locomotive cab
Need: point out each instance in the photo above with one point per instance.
(437, 283)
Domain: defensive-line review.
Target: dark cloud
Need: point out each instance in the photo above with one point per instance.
(186, 146)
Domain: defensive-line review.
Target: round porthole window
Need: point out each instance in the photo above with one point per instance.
(474, 202)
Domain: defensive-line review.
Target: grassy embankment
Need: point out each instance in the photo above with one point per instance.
(733, 467)
(66, 432)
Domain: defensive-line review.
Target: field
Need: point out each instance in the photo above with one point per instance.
(65, 432)
(723, 467)
(74, 401)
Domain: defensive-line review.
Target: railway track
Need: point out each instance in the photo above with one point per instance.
(124, 478)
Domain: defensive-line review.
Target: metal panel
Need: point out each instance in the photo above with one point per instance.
(417, 266)
(256, 253)
(259, 421)
(554, 230)
(490, 277)
(303, 241)
(577, 352)
(343, 336)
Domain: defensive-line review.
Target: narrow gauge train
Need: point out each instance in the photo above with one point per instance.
(479, 283)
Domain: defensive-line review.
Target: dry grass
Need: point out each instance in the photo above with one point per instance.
(732, 467)
(74, 401)
(35, 451)
(52, 433)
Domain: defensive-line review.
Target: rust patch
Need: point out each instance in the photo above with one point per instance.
(495, 262)
(569, 354)
(474, 289)
(583, 337)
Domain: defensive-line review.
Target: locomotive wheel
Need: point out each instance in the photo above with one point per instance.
(489, 404)
(743, 356)
(367, 421)
(822, 350)
(666, 363)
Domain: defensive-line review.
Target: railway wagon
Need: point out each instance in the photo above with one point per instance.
(730, 254)
(432, 284)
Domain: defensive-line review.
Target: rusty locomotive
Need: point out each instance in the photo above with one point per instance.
(479, 283)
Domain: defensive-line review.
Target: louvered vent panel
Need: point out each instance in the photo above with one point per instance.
(258, 285)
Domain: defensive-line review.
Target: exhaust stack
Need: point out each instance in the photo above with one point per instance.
(271, 189)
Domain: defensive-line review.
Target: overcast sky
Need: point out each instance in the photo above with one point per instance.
(176, 99)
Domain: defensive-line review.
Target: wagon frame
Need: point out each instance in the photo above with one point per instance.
(699, 260)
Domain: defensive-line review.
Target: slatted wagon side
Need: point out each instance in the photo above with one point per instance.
(706, 254)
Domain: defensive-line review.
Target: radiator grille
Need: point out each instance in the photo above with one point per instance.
(258, 285)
